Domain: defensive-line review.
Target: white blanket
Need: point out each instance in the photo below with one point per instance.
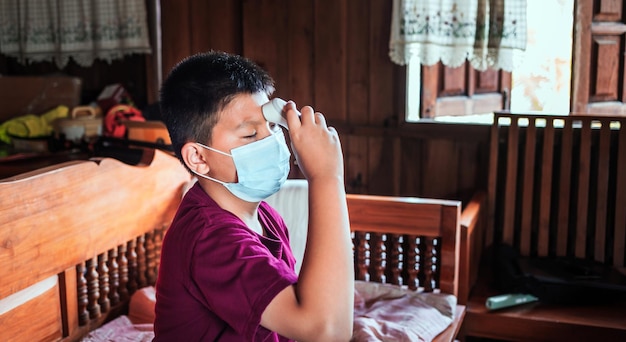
(384, 312)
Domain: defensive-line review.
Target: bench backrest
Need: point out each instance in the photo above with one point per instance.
(409, 241)
(78, 238)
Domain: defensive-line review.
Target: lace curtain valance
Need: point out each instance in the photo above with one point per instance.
(57, 30)
(488, 33)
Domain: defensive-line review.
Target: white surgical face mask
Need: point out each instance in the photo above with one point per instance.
(262, 167)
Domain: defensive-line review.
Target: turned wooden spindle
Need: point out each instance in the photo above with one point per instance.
(103, 283)
(81, 290)
(436, 261)
(150, 258)
(131, 255)
(394, 264)
(412, 261)
(93, 291)
(114, 277)
(427, 264)
(141, 261)
(361, 256)
(122, 261)
(377, 257)
(158, 242)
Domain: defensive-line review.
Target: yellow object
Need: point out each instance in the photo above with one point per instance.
(57, 113)
(25, 126)
(31, 125)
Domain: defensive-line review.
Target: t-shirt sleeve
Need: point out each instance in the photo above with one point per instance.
(236, 275)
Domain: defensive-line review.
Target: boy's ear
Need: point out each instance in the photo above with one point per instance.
(194, 158)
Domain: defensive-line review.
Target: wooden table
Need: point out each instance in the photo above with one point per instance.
(544, 322)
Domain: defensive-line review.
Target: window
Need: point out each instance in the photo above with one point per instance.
(540, 81)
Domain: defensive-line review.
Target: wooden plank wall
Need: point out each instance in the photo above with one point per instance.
(334, 55)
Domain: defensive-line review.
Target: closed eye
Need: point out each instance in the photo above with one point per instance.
(250, 136)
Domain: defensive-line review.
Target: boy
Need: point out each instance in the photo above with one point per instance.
(227, 271)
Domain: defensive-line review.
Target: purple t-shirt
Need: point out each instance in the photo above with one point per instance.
(217, 276)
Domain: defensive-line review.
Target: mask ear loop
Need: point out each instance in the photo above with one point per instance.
(209, 178)
(205, 176)
(213, 149)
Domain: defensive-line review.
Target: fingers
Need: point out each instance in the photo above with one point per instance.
(292, 115)
(305, 116)
(320, 119)
(308, 115)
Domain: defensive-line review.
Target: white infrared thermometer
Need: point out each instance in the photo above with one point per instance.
(273, 111)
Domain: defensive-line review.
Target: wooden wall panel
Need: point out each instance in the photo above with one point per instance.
(330, 58)
(176, 32)
(333, 55)
(486, 81)
(412, 177)
(609, 10)
(440, 167)
(264, 25)
(381, 82)
(599, 64)
(358, 62)
(454, 81)
(380, 165)
(356, 162)
(462, 90)
(216, 25)
(605, 50)
(301, 32)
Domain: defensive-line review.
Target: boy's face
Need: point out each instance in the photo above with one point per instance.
(240, 123)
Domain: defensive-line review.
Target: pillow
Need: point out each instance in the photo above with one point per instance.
(292, 203)
(141, 307)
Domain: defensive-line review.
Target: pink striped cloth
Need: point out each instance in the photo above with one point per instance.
(384, 312)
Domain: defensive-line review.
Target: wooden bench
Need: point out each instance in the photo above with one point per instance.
(78, 238)
(557, 187)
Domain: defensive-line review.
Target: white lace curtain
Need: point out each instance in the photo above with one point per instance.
(488, 33)
(84, 30)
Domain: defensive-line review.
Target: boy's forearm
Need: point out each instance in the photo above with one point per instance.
(327, 275)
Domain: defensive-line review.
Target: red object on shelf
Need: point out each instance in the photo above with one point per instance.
(115, 118)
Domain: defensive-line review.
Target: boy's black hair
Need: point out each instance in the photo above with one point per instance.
(199, 87)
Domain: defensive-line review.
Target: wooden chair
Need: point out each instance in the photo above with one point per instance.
(556, 188)
(408, 241)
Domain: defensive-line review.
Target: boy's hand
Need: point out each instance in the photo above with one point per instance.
(316, 146)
